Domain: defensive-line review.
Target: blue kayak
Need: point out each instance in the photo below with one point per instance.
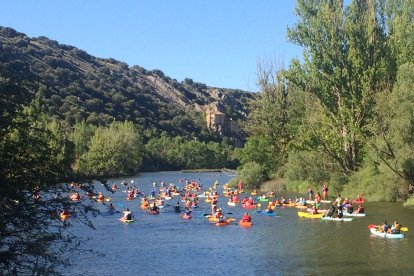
(273, 214)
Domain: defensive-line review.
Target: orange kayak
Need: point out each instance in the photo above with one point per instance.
(223, 223)
(245, 223)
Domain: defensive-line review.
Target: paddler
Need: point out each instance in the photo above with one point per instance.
(65, 212)
(314, 211)
(395, 228)
(154, 207)
(128, 215)
(360, 210)
(340, 213)
(246, 217)
(177, 207)
(338, 200)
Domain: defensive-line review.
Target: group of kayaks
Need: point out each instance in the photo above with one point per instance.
(268, 212)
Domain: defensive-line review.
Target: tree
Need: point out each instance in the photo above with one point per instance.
(346, 58)
(393, 143)
(114, 150)
(276, 113)
(35, 155)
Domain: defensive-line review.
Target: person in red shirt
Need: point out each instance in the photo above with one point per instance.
(246, 217)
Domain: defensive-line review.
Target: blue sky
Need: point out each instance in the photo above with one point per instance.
(215, 42)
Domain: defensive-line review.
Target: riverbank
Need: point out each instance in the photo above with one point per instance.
(208, 170)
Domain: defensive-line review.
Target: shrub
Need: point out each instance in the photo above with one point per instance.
(252, 175)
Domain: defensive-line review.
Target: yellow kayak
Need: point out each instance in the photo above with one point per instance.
(308, 215)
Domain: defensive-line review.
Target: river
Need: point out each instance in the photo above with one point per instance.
(283, 245)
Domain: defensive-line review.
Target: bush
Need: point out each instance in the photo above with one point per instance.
(409, 202)
(298, 186)
(307, 166)
(375, 182)
(252, 175)
(278, 185)
(233, 183)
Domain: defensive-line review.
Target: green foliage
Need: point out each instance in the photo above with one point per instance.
(252, 175)
(35, 155)
(273, 122)
(114, 150)
(176, 153)
(375, 182)
(345, 65)
(409, 202)
(309, 166)
(298, 186)
(394, 127)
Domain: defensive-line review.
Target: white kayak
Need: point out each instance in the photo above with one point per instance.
(326, 201)
(336, 219)
(386, 235)
(322, 211)
(354, 215)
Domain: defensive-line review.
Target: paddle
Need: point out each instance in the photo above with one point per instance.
(224, 213)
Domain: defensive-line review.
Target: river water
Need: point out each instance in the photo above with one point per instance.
(283, 245)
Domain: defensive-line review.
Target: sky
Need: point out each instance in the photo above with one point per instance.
(215, 42)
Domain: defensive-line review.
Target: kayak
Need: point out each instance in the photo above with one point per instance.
(185, 216)
(336, 219)
(167, 197)
(231, 203)
(356, 201)
(144, 206)
(263, 199)
(307, 215)
(354, 215)
(152, 212)
(223, 223)
(245, 223)
(212, 218)
(126, 220)
(326, 201)
(161, 206)
(301, 206)
(375, 232)
(267, 213)
(319, 211)
(248, 206)
(64, 217)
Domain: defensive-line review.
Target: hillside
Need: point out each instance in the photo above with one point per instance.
(76, 86)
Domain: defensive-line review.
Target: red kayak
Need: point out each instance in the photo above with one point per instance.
(249, 206)
(153, 212)
(356, 201)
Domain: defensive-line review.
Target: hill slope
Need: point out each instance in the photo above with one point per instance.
(77, 86)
